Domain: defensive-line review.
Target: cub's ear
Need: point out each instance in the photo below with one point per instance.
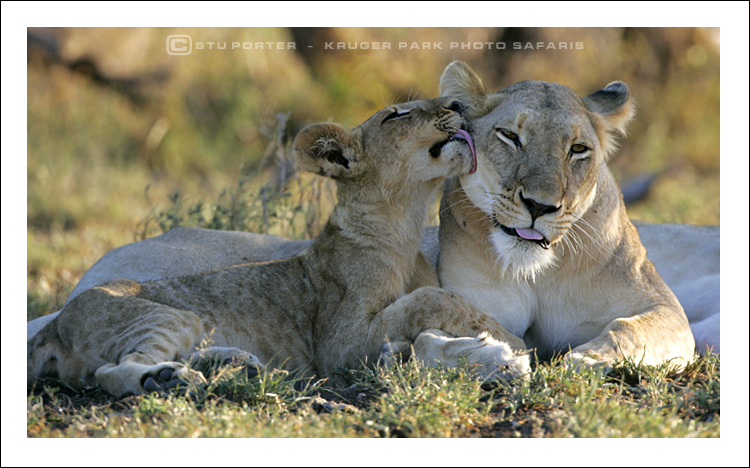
(460, 82)
(611, 109)
(326, 149)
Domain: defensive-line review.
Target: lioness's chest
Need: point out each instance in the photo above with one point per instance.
(548, 316)
(566, 315)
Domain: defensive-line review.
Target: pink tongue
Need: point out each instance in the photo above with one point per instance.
(529, 234)
(464, 135)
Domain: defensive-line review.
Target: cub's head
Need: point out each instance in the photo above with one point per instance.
(400, 148)
(540, 150)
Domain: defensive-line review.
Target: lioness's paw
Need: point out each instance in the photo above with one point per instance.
(169, 375)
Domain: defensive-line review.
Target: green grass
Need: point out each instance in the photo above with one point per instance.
(98, 165)
(403, 401)
(207, 149)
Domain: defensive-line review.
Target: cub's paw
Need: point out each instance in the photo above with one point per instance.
(169, 375)
(579, 360)
(394, 352)
(207, 359)
(496, 359)
(248, 362)
(493, 359)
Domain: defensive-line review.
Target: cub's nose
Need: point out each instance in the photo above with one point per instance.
(456, 107)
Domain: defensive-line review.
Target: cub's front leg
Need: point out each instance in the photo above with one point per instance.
(132, 376)
(125, 344)
(135, 374)
(495, 359)
(654, 337)
(430, 317)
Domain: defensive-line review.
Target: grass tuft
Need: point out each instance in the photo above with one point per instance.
(400, 401)
(205, 129)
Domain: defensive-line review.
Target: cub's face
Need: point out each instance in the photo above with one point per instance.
(538, 163)
(418, 141)
(404, 146)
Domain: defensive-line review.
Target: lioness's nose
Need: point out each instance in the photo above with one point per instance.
(456, 107)
(537, 209)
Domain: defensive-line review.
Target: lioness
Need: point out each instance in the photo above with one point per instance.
(538, 236)
(362, 281)
(687, 257)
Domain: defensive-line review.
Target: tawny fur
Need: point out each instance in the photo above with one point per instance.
(361, 282)
(593, 290)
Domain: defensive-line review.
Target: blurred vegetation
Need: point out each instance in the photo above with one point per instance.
(125, 141)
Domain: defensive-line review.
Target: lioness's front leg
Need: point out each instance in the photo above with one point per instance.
(651, 338)
(429, 317)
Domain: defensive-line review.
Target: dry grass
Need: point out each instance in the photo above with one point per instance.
(403, 401)
(205, 145)
(100, 163)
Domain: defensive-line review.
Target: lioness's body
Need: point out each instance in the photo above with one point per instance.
(686, 256)
(334, 305)
(572, 303)
(564, 306)
(539, 238)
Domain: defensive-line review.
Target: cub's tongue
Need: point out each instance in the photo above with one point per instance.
(464, 135)
(529, 234)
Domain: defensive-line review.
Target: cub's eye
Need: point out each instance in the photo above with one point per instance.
(509, 137)
(579, 151)
(397, 114)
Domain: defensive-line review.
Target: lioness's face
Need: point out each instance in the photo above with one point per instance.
(538, 159)
(418, 141)
(540, 152)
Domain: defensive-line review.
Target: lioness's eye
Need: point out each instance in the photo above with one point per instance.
(509, 137)
(397, 114)
(578, 149)
(579, 152)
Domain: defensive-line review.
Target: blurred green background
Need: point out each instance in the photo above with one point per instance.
(117, 126)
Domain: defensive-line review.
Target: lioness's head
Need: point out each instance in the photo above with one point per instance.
(540, 149)
(399, 147)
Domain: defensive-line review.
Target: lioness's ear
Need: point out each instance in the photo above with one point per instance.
(460, 82)
(325, 149)
(611, 109)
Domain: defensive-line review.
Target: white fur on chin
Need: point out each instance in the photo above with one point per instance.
(519, 258)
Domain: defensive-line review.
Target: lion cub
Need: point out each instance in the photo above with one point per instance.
(363, 282)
